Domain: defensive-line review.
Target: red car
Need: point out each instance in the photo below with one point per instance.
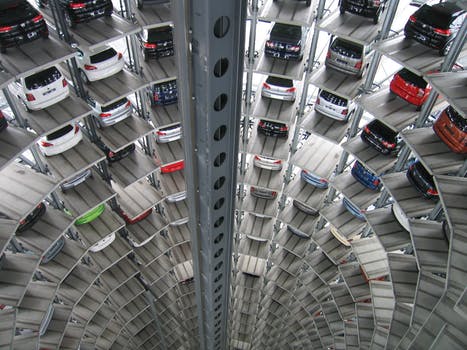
(172, 167)
(131, 221)
(451, 128)
(410, 87)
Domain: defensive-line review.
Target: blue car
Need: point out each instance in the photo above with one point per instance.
(365, 177)
(164, 93)
(313, 179)
(354, 210)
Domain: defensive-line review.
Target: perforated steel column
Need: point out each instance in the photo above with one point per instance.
(209, 37)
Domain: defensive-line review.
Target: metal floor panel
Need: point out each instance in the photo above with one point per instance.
(271, 109)
(354, 191)
(297, 219)
(119, 274)
(76, 284)
(259, 205)
(304, 192)
(254, 248)
(132, 168)
(355, 281)
(325, 127)
(331, 314)
(159, 70)
(143, 231)
(165, 115)
(322, 266)
(54, 335)
(125, 132)
(36, 301)
(152, 250)
(343, 85)
(345, 303)
(453, 192)
(382, 298)
(399, 324)
(271, 179)
(257, 226)
(25, 342)
(5, 79)
(169, 152)
(269, 146)
(334, 250)
(172, 183)
(111, 254)
(380, 336)
(107, 223)
(404, 273)
(293, 243)
(71, 162)
(365, 324)
(343, 221)
(461, 304)
(453, 87)
(296, 13)
(176, 211)
(7, 229)
(7, 327)
(151, 15)
(13, 141)
(437, 158)
(372, 258)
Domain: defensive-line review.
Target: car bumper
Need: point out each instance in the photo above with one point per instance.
(168, 138)
(54, 150)
(364, 180)
(155, 53)
(99, 74)
(76, 181)
(277, 95)
(330, 113)
(415, 100)
(90, 13)
(360, 10)
(15, 39)
(375, 144)
(457, 145)
(297, 56)
(114, 119)
(314, 181)
(346, 69)
(49, 101)
(433, 42)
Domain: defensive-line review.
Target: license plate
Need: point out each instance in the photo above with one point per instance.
(341, 61)
(48, 91)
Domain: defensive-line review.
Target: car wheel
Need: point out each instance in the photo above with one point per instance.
(445, 50)
(84, 77)
(68, 20)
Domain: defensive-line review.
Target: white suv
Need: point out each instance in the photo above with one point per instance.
(333, 106)
(99, 64)
(42, 89)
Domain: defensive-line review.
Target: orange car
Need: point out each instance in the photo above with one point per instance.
(451, 128)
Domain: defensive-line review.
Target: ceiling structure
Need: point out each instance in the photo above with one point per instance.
(298, 281)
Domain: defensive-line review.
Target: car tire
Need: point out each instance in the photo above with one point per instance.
(68, 20)
(84, 77)
(445, 50)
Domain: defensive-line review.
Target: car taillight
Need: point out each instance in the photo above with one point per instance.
(64, 83)
(273, 193)
(389, 144)
(358, 65)
(328, 55)
(270, 44)
(376, 2)
(150, 46)
(318, 101)
(323, 181)
(432, 191)
(37, 18)
(284, 128)
(89, 67)
(421, 92)
(119, 56)
(257, 158)
(30, 97)
(46, 144)
(5, 29)
(292, 89)
(376, 182)
(445, 32)
(366, 129)
(161, 133)
(128, 104)
(78, 5)
(294, 48)
(412, 19)
(156, 96)
(111, 154)
(278, 161)
(105, 115)
(76, 128)
(261, 123)
(345, 111)
(266, 86)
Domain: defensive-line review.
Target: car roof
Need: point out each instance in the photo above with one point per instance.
(448, 8)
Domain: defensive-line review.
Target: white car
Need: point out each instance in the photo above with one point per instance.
(400, 216)
(103, 243)
(41, 89)
(61, 140)
(180, 222)
(267, 163)
(169, 133)
(333, 106)
(176, 197)
(99, 64)
(279, 89)
(111, 113)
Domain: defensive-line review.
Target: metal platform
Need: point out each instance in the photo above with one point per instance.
(259, 205)
(165, 115)
(132, 168)
(122, 134)
(170, 152)
(257, 226)
(354, 191)
(57, 325)
(322, 266)
(343, 85)
(296, 13)
(13, 141)
(404, 273)
(255, 249)
(399, 325)
(325, 127)
(304, 192)
(107, 223)
(293, 243)
(111, 254)
(334, 250)
(268, 146)
(298, 220)
(355, 281)
(453, 192)
(271, 109)
(159, 70)
(176, 211)
(371, 158)
(142, 232)
(7, 229)
(452, 85)
(151, 15)
(264, 178)
(5, 79)
(172, 183)
(372, 258)
(382, 298)
(433, 153)
(7, 327)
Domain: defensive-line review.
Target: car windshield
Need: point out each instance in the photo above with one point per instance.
(379, 128)
(435, 16)
(59, 133)
(14, 12)
(279, 81)
(42, 78)
(347, 48)
(286, 31)
(457, 119)
(114, 105)
(103, 56)
(412, 78)
(424, 173)
(159, 34)
(334, 99)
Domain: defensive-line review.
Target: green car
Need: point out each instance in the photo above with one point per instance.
(91, 215)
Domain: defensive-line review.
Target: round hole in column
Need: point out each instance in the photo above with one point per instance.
(218, 299)
(219, 238)
(220, 159)
(218, 266)
(218, 289)
(219, 183)
(219, 222)
(220, 102)
(220, 67)
(217, 329)
(219, 203)
(221, 27)
(220, 133)
(218, 315)
(218, 253)
(218, 307)
(218, 278)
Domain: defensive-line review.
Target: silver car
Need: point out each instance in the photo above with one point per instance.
(305, 208)
(111, 113)
(76, 180)
(267, 163)
(347, 57)
(169, 133)
(279, 89)
(333, 106)
(261, 192)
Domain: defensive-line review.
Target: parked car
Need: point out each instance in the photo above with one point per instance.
(41, 89)
(261, 192)
(100, 63)
(80, 11)
(305, 208)
(400, 216)
(76, 180)
(270, 128)
(140, 3)
(179, 222)
(410, 87)
(61, 140)
(314, 179)
(353, 209)
(176, 197)
(53, 251)
(451, 128)
(131, 221)
(365, 176)
(113, 157)
(333, 106)
(46, 319)
(286, 41)
(162, 94)
(91, 215)
(279, 89)
(156, 42)
(422, 180)
(103, 243)
(436, 25)
(337, 235)
(348, 57)
(267, 163)
(381, 137)
(111, 113)
(172, 167)
(3, 122)
(365, 8)
(307, 2)
(297, 232)
(32, 218)
(20, 23)
(169, 133)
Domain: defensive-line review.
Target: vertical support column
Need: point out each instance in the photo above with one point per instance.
(210, 62)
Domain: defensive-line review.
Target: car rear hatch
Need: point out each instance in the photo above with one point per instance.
(105, 59)
(431, 22)
(379, 132)
(116, 109)
(171, 132)
(160, 38)
(273, 128)
(88, 8)
(279, 86)
(333, 102)
(346, 54)
(165, 91)
(410, 82)
(116, 156)
(63, 135)
(45, 84)
(285, 37)
(422, 178)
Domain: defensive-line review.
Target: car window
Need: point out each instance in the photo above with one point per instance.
(286, 31)
(161, 33)
(114, 105)
(43, 78)
(353, 50)
(103, 56)
(279, 81)
(412, 78)
(14, 12)
(59, 133)
(434, 16)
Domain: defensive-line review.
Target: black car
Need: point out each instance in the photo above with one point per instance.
(307, 2)
(270, 128)
(365, 8)
(164, 93)
(285, 41)
(32, 218)
(79, 11)
(157, 42)
(381, 137)
(113, 157)
(20, 23)
(422, 180)
(436, 26)
(3, 122)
